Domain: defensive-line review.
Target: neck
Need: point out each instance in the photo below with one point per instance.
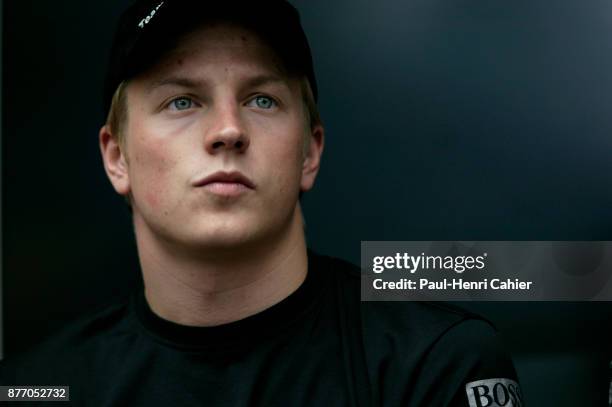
(196, 288)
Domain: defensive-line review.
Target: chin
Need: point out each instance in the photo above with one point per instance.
(225, 236)
(238, 232)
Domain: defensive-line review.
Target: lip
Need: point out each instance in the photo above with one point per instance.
(233, 180)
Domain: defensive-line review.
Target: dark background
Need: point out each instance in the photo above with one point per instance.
(445, 119)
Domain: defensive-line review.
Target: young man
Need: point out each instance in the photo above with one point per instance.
(212, 135)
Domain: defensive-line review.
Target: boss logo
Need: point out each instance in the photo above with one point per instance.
(494, 393)
(148, 18)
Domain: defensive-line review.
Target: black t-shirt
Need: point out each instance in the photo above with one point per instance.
(320, 346)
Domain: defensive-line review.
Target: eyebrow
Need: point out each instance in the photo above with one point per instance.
(186, 82)
(181, 81)
(261, 80)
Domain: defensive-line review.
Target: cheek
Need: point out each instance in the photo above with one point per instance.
(151, 196)
(285, 160)
(152, 172)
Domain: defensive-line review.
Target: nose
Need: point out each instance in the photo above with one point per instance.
(227, 132)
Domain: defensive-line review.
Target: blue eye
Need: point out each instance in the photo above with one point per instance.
(181, 103)
(264, 102)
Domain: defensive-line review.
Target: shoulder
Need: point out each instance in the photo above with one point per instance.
(438, 355)
(404, 317)
(68, 351)
(430, 353)
(422, 323)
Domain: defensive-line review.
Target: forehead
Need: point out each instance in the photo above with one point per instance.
(220, 45)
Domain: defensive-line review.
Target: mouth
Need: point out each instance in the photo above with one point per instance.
(226, 183)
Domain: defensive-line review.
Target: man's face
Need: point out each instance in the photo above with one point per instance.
(214, 143)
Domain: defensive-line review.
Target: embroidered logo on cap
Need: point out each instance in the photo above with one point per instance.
(498, 392)
(148, 18)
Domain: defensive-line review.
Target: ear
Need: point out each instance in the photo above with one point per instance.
(115, 161)
(312, 158)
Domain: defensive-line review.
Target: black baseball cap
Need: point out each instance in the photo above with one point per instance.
(150, 28)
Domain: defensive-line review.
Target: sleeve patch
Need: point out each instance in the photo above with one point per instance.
(497, 392)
